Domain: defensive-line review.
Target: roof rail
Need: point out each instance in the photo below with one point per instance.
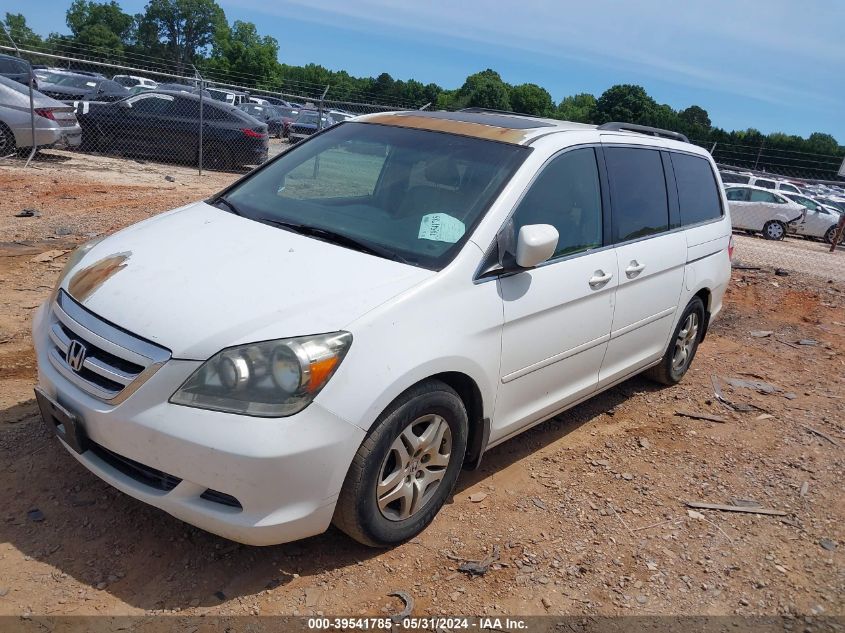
(617, 126)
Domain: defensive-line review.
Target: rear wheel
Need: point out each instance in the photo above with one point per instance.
(683, 346)
(7, 141)
(830, 233)
(774, 230)
(407, 467)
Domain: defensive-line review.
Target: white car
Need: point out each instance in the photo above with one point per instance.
(130, 81)
(335, 335)
(730, 178)
(759, 210)
(818, 221)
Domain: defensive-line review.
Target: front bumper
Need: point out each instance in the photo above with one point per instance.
(286, 473)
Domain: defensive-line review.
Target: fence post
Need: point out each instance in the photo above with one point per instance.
(31, 97)
(426, 106)
(759, 154)
(202, 90)
(320, 110)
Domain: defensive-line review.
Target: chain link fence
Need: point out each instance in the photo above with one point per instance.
(89, 106)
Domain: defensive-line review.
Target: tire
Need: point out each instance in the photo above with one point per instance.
(7, 141)
(774, 230)
(432, 410)
(687, 336)
(828, 236)
(216, 157)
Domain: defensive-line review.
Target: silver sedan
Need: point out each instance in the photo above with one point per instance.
(55, 122)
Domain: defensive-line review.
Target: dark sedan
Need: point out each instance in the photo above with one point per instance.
(165, 125)
(267, 114)
(16, 68)
(308, 123)
(69, 87)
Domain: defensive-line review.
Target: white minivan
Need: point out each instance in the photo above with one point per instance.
(334, 336)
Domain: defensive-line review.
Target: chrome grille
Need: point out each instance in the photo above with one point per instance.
(115, 363)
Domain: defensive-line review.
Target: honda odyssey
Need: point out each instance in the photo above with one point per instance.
(334, 336)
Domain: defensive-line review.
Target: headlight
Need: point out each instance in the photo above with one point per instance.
(269, 379)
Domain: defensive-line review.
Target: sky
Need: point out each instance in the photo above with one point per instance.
(776, 65)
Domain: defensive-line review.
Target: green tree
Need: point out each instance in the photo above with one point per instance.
(626, 103)
(531, 99)
(241, 55)
(24, 36)
(695, 116)
(186, 27)
(482, 90)
(579, 108)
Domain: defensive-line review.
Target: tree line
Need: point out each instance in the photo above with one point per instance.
(182, 35)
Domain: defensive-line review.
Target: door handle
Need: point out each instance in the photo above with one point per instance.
(599, 279)
(634, 269)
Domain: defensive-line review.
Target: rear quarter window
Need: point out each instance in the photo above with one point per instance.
(698, 193)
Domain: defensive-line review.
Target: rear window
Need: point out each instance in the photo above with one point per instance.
(737, 194)
(637, 192)
(790, 188)
(768, 184)
(734, 178)
(12, 66)
(698, 193)
(762, 196)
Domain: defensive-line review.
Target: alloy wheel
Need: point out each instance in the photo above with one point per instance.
(685, 343)
(414, 467)
(775, 230)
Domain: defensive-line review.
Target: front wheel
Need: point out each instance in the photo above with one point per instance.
(683, 346)
(774, 230)
(407, 467)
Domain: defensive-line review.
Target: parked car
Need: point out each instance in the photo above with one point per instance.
(734, 177)
(266, 114)
(746, 178)
(16, 69)
(760, 210)
(278, 102)
(55, 122)
(74, 87)
(128, 81)
(306, 124)
(818, 221)
(288, 116)
(165, 125)
(232, 97)
(335, 335)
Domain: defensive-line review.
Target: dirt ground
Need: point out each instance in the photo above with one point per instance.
(586, 511)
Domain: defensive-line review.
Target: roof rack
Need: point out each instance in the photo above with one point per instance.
(617, 126)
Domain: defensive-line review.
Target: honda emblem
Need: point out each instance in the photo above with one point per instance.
(75, 355)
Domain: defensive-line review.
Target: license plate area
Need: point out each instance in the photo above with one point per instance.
(67, 426)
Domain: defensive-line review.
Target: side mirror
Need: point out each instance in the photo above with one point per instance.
(536, 243)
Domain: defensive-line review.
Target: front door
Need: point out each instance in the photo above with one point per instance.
(557, 317)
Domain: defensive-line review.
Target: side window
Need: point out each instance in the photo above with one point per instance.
(737, 194)
(790, 188)
(780, 199)
(153, 104)
(637, 192)
(698, 193)
(768, 184)
(566, 195)
(762, 196)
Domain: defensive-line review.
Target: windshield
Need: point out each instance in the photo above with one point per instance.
(412, 194)
(75, 81)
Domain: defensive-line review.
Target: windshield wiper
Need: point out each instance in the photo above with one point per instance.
(228, 204)
(337, 238)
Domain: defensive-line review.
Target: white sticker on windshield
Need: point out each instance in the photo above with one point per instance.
(441, 227)
(91, 84)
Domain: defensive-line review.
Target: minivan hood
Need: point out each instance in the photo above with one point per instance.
(199, 279)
